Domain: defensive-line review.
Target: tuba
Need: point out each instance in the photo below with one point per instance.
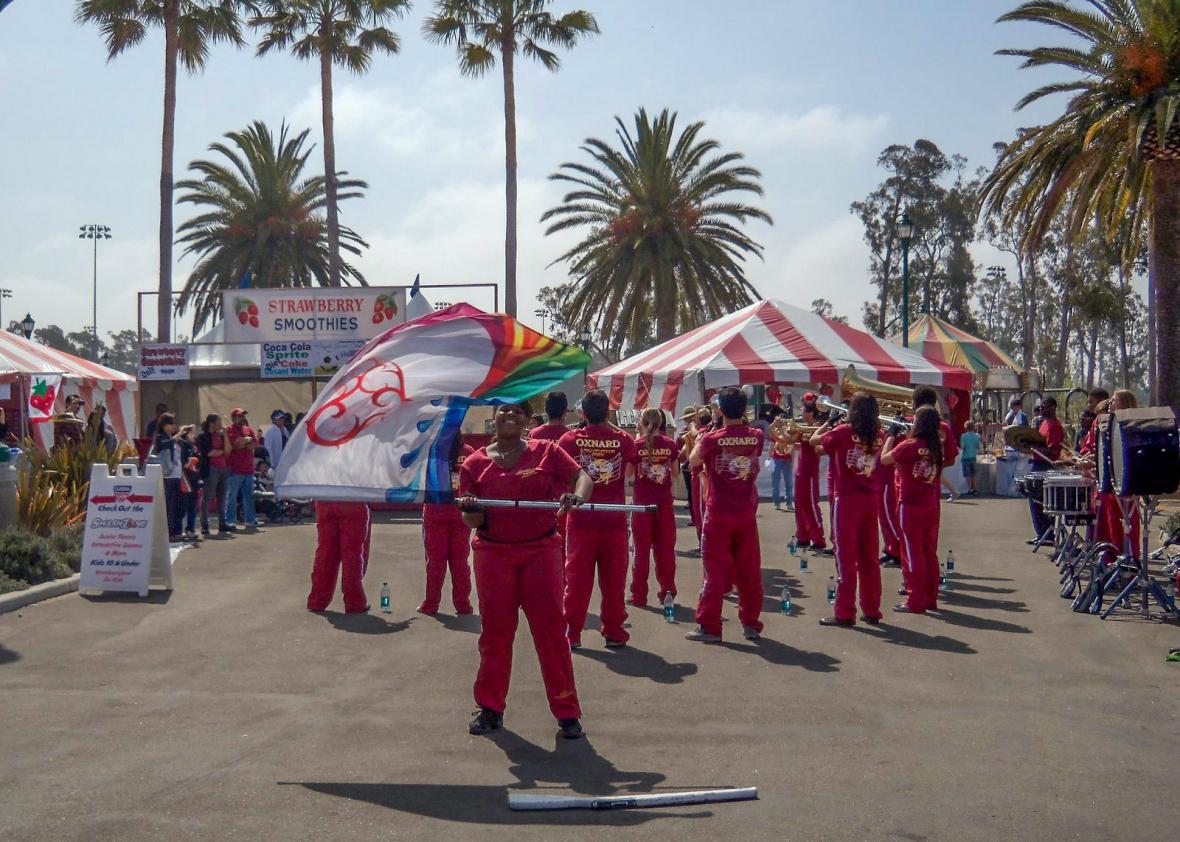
(891, 399)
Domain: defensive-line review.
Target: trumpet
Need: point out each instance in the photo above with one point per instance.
(791, 428)
(835, 409)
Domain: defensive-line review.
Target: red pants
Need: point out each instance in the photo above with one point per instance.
(1110, 523)
(447, 539)
(809, 522)
(732, 557)
(342, 540)
(854, 521)
(919, 537)
(887, 514)
(508, 578)
(600, 545)
(654, 535)
(832, 512)
(698, 504)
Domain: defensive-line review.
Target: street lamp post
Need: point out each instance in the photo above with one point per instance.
(905, 233)
(26, 326)
(96, 233)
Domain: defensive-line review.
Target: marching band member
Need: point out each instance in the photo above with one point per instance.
(887, 515)
(1054, 435)
(556, 405)
(657, 456)
(447, 540)
(518, 564)
(598, 539)
(685, 441)
(918, 461)
(1110, 513)
(704, 424)
(854, 449)
(809, 522)
(343, 531)
(731, 553)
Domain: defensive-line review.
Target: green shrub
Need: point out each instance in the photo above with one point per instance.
(65, 546)
(8, 584)
(27, 557)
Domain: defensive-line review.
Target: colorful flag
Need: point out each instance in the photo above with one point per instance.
(4, 3)
(382, 429)
(43, 389)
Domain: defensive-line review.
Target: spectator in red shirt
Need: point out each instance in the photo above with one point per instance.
(240, 461)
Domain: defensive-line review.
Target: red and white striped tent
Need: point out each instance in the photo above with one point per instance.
(764, 343)
(20, 357)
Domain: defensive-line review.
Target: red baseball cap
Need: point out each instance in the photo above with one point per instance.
(237, 410)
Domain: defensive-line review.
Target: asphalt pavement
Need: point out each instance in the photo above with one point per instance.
(225, 710)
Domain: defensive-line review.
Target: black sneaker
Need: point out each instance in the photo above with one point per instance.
(485, 720)
(570, 729)
(205, 531)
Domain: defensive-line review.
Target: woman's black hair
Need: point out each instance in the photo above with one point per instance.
(863, 419)
(556, 404)
(927, 430)
(210, 419)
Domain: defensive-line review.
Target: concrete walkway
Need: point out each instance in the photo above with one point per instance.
(224, 710)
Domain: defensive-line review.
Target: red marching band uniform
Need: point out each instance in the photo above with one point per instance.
(654, 534)
(598, 540)
(447, 541)
(1108, 514)
(518, 566)
(919, 494)
(809, 521)
(854, 522)
(730, 552)
(342, 547)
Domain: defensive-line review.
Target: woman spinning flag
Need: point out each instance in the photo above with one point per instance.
(518, 564)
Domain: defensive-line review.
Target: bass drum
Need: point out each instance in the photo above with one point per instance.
(1145, 451)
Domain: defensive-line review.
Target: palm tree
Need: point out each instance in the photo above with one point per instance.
(344, 32)
(480, 29)
(259, 214)
(190, 28)
(1114, 153)
(663, 238)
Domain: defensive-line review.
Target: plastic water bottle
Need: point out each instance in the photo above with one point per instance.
(803, 561)
(950, 562)
(385, 597)
(794, 545)
(942, 577)
(786, 600)
(669, 608)
(831, 590)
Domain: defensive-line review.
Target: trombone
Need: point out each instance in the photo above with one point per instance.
(837, 410)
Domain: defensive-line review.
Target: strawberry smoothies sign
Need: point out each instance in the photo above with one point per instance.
(285, 315)
(125, 547)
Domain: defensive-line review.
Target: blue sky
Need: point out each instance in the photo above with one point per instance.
(810, 91)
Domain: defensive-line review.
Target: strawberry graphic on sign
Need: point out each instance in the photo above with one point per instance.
(43, 390)
(246, 312)
(384, 308)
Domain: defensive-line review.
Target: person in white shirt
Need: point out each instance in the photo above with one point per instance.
(275, 437)
(1015, 416)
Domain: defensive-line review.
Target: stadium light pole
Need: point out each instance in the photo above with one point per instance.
(94, 232)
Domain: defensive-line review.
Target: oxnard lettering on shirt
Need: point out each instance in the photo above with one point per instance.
(737, 441)
(607, 443)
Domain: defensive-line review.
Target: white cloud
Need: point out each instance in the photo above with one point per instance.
(447, 119)
(828, 261)
(824, 127)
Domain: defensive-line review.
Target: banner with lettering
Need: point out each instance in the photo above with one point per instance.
(316, 313)
(382, 429)
(163, 362)
(307, 359)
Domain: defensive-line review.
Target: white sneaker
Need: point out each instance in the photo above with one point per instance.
(702, 636)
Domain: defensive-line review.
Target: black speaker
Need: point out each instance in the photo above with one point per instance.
(1145, 451)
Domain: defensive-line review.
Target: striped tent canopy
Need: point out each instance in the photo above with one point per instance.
(94, 383)
(766, 342)
(944, 343)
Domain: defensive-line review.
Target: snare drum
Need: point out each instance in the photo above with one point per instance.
(1030, 485)
(1067, 493)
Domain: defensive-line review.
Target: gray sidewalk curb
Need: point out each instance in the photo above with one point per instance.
(37, 593)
